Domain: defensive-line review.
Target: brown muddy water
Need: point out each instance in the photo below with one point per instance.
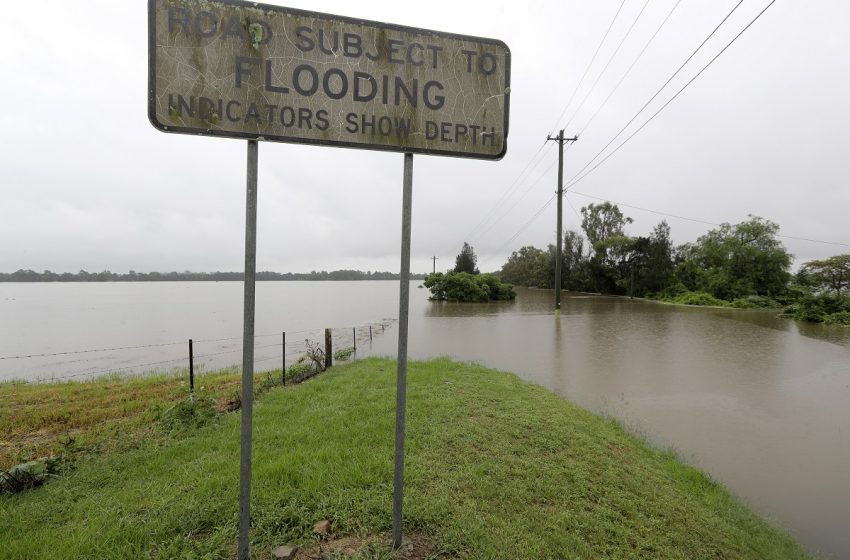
(760, 403)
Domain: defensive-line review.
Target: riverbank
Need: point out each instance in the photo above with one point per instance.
(496, 468)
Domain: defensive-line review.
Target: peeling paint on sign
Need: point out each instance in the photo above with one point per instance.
(244, 70)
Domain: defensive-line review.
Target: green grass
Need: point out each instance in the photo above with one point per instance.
(106, 413)
(496, 468)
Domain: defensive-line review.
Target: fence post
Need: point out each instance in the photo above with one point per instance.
(283, 357)
(370, 334)
(191, 368)
(354, 337)
(328, 349)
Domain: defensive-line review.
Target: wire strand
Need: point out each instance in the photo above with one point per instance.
(689, 82)
(657, 93)
(589, 64)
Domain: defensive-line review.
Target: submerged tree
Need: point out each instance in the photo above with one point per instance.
(466, 261)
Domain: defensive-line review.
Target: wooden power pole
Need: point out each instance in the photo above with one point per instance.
(560, 140)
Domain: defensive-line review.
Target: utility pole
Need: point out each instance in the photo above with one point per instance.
(560, 139)
(434, 258)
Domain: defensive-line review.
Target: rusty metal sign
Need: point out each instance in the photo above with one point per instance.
(256, 71)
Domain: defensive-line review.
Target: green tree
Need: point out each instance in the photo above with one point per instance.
(658, 273)
(828, 275)
(601, 221)
(735, 261)
(574, 265)
(466, 261)
(529, 266)
(603, 225)
(462, 286)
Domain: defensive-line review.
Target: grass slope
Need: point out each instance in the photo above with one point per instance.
(496, 468)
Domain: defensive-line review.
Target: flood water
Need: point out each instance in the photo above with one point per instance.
(760, 403)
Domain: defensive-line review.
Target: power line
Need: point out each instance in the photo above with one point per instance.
(645, 105)
(517, 182)
(632, 135)
(607, 64)
(628, 71)
(517, 201)
(528, 223)
(506, 195)
(697, 220)
(581, 81)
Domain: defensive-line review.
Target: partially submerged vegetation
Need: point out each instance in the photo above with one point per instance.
(743, 265)
(496, 468)
(463, 286)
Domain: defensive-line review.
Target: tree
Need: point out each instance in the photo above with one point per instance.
(574, 264)
(529, 267)
(463, 286)
(737, 261)
(828, 275)
(466, 260)
(659, 266)
(601, 221)
(603, 226)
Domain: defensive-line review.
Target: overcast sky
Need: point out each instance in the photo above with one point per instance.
(88, 183)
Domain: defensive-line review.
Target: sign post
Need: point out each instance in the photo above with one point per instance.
(248, 350)
(236, 69)
(401, 368)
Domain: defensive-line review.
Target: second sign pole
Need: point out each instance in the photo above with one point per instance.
(248, 353)
(401, 376)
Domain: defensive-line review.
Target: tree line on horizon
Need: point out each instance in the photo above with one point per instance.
(741, 265)
(188, 276)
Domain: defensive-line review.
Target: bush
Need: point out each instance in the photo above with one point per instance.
(462, 286)
(192, 412)
(344, 353)
(696, 298)
(755, 302)
(840, 318)
(822, 308)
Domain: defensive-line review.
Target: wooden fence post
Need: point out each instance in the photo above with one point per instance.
(328, 349)
(191, 368)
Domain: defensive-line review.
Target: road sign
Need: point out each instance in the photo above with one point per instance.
(256, 71)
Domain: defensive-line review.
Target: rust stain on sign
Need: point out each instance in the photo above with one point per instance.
(244, 70)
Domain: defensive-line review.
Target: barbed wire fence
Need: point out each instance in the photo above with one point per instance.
(290, 346)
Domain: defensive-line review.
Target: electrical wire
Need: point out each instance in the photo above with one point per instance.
(607, 64)
(628, 71)
(705, 222)
(522, 196)
(658, 92)
(574, 181)
(528, 223)
(506, 194)
(589, 64)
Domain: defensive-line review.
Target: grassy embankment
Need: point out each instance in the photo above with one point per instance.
(496, 468)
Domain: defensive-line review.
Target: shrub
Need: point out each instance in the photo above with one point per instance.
(755, 302)
(698, 298)
(462, 286)
(344, 353)
(840, 318)
(192, 412)
(822, 308)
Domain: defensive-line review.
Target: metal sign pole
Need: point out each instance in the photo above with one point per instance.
(248, 352)
(401, 376)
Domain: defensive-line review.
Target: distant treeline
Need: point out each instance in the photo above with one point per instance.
(133, 276)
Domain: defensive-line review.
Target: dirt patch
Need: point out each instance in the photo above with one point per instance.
(415, 546)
